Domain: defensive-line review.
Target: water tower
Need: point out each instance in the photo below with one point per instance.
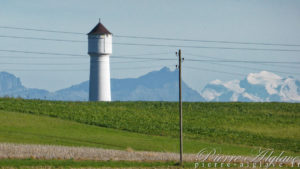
(99, 49)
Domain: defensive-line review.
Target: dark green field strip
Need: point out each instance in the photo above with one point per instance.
(34, 129)
(248, 138)
(23, 163)
(79, 164)
(269, 125)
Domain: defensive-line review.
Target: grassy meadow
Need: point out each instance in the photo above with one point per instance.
(152, 126)
(33, 129)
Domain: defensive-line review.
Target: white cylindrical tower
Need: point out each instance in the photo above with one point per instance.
(99, 49)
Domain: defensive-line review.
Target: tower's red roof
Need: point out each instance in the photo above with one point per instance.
(99, 29)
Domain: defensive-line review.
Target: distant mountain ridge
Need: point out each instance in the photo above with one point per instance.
(162, 85)
(11, 86)
(159, 85)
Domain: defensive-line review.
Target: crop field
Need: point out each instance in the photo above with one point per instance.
(266, 125)
(48, 164)
(34, 129)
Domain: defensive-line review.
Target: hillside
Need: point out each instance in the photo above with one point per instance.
(268, 125)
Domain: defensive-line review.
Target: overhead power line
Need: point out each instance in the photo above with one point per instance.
(122, 68)
(45, 39)
(64, 64)
(212, 70)
(158, 38)
(42, 53)
(280, 65)
(72, 57)
(267, 64)
(208, 47)
(223, 72)
(240, 67)
(80, 55)
(208, 41)
(41, 30)
(252, 68)
(125, 57)
(239, 61)
(37, 57)
(140, 61)
(164, 45)
(86, 63)
(46, 70)
(148, 54)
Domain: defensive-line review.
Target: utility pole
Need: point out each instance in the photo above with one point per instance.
(180, 106)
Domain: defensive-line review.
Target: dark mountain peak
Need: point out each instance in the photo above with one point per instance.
(6, 74)
(9, 82)
(165, 69)
(164, 74)
(156, 79)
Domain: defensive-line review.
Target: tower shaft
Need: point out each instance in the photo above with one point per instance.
(99, 78)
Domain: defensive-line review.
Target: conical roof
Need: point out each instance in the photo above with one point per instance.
(99, 29)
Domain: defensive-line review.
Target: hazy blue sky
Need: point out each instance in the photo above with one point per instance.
(270, 21)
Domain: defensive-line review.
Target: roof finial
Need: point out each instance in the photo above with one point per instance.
(99, 20)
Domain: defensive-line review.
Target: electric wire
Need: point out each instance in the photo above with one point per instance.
(81, 55)
(239, 61)
(122, 68)
(217, 62)
(168, 45)
(212, 70)
(125, 57)
(157, 38)
(243, 67)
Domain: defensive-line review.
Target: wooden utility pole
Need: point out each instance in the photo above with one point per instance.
(180, 107)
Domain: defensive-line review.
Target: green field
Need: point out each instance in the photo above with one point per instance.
(17, 163)
(34, 129)
(79, 164)
(152, 126)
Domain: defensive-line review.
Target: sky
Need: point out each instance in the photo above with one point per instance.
(259, 21)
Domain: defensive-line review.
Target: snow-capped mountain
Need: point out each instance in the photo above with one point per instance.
(257, 87)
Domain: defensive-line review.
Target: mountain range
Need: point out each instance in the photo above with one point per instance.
(256, 87)
(159, 85)
(162, 85)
